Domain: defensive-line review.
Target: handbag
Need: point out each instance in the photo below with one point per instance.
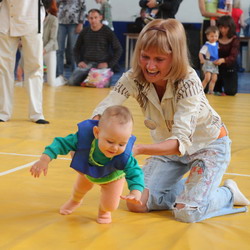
(98, 78)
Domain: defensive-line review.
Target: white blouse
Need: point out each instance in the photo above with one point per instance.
(183, 113)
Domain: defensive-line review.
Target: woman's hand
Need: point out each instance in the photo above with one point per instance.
(219, 61)
(136, 149)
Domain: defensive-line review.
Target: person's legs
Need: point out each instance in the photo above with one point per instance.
(81, 187)
(50, 62)
(162, 183)
(72, 36)
(80, 74)
(207, 77)
(212, 83)
(8, 47)
(33, 73)
(109, 201)
(202, 198)
(61, 39)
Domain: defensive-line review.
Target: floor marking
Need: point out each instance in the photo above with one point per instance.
(62, 158)
(17, 168)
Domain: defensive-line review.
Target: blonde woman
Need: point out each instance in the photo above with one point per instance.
(189, 136)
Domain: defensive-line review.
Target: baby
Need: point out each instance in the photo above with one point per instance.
(103, 156)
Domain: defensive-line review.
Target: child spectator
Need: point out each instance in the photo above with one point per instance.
(103, 156)
(208, 54)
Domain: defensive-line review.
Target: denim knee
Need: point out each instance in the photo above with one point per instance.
(187, 214)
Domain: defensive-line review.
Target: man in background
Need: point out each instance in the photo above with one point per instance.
(22, 19)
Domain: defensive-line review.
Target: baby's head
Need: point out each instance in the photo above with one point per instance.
(114, 130)
(212, 34)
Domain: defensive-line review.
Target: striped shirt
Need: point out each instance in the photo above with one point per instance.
(94, 46)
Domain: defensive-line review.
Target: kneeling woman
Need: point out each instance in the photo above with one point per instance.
(189, 136)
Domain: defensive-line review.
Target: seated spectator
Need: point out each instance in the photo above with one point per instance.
(228, 51)
(165, 8)
(96, 47)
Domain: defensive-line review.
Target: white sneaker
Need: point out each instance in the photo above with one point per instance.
(239, 198)
(60, 81)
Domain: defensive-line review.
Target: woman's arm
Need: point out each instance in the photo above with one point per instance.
(168, 147)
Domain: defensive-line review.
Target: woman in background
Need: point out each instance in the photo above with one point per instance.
(50, 27)
(228, 51)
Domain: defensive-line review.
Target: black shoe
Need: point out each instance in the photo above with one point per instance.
(2, 120)
(42, 121)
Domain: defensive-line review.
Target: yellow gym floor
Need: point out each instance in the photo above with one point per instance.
(29, 217)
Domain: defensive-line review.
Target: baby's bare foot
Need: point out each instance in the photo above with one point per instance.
(104, 217)
(69, 207)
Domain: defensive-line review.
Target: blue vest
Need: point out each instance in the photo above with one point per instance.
(213, 51)
(80, 161)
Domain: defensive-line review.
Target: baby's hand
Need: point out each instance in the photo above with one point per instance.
(40, 166)
(133, 197)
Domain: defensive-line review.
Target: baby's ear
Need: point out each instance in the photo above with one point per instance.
(96, 131)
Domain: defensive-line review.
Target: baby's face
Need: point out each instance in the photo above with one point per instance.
(113, 138)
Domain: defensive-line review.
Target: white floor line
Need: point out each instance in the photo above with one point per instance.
(68, 159)
(17, 168)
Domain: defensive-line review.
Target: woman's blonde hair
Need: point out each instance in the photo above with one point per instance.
(167, 36)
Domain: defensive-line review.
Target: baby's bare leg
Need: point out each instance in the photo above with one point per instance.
(110, 198)
(81, 187)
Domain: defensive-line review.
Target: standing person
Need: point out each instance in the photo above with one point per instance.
(71, 15)
(50, 45)
(165, 8)
(208, 54)
(208, 9)
(224, 7)
(22, 19)
(103, 156)
(188, 134)
(96, 47)
(238, 16)
(106, 13)
(228, 51)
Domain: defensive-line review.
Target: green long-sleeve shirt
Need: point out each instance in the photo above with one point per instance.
(132, 171)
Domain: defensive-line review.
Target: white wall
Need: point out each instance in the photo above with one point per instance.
(127, 10)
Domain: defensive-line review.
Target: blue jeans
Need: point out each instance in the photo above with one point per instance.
(65, 30)
(80, 74)
(200, 191)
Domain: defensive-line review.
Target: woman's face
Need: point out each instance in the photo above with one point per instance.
(224, 30)
(155, 66)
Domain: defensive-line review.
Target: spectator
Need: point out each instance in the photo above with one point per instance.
(93, 48)
(166, 8)
(208, 54)
(224, 8)
(106, 13)
(238, 17)
(21, 19)
(228, 51)
(50, 45)
(71, 18)
(208, 9)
